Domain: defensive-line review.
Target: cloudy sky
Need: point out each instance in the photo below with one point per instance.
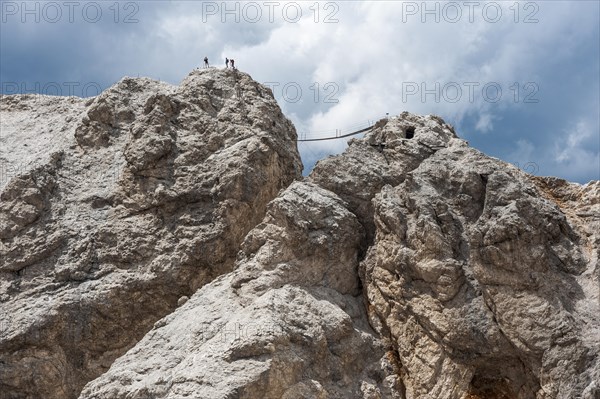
(520, 80)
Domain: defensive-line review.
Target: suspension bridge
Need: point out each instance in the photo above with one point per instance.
(335, 134)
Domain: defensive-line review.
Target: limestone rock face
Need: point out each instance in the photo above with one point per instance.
(383, 157)
(121, 205)
(480, 288)
(287, 323)
(484, 279)
(158, 241)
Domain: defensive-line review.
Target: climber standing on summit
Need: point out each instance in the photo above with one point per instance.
(232, 63)
(226, 63)
(206, 62)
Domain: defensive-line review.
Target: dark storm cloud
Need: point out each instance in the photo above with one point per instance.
(341, 63)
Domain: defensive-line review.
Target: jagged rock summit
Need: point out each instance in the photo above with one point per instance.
(159, 241)
(145, 194)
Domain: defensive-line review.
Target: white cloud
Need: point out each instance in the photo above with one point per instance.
(523, 156)
(372, 56)
(484, 123)
(575, 154)
(567, 148)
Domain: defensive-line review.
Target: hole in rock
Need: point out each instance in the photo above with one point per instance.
(484, 387)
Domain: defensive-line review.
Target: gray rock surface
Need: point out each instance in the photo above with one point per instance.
(484, 279)
(383, 157)
(410, 266)
(127, 202)
(287, 323)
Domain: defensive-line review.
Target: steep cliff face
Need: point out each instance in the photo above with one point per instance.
(138, 197)
(410, 266)
(477, 269)
(483, 279)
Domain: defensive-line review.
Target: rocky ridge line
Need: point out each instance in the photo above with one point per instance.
(410, 266)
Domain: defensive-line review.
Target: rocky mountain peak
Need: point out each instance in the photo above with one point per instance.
(159, 241)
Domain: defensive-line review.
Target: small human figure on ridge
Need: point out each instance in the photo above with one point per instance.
(232, 63)
(226, 63)
(206, 62)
